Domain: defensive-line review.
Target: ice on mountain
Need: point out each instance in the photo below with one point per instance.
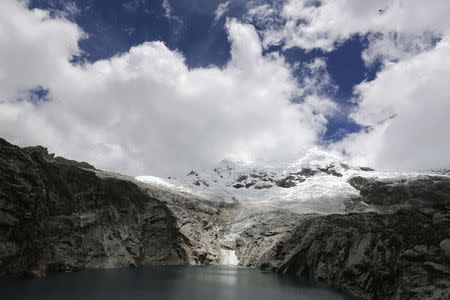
(316, 183)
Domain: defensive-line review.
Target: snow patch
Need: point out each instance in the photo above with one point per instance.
(154, 180)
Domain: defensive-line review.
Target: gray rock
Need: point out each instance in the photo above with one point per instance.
(401, 252)
(425, 192)
(445, 248)
(442, 295)
(60, 215)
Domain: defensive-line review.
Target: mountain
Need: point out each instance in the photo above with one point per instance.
(319, 183)
(377, 235)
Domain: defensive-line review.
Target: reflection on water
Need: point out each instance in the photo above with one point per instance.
(167, 283)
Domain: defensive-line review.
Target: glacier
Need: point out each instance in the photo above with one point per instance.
(316, 183)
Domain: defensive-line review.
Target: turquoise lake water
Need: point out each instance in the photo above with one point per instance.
(215, 283)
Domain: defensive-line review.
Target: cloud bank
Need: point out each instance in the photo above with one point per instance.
(404, 110)
(145, 111)
(407, 108)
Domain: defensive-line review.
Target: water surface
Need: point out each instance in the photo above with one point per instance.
(167, 283)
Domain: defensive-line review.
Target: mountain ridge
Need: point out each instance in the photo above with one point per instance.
(319, 182)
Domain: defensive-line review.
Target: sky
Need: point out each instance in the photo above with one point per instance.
(164, 86)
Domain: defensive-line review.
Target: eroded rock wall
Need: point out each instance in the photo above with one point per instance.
(400, 252)
(58, 215)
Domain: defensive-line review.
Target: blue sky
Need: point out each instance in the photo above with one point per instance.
(115, 26)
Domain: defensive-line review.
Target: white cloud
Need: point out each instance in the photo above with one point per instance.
(62, 8)
(221, 10)
(407, 106)
(32, 47)
(167, 7)
(325, 23)
(394, 46)
(70, 9)
(145, 111)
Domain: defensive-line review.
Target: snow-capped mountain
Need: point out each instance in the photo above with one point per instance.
(316, 183)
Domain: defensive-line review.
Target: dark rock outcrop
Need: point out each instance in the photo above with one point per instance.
(61, 215)
(268, 180)
(392, 256)
(401, 252)
(429, 191)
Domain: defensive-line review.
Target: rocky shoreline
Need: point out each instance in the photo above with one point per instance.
(61, 215)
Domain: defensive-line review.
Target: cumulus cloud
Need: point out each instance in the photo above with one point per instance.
(406, 108)
(391, 47)
(324, 24)
(145, 111)
(33, 46)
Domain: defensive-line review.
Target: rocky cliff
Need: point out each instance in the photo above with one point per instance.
(399, 252)
(60, 215)
(378, 238)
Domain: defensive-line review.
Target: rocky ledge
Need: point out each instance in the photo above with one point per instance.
(61, 215)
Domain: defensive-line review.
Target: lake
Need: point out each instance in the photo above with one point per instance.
(167, 283)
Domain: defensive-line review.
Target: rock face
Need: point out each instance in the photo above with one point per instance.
(58, 215)
(401, 252)
(266, 229)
